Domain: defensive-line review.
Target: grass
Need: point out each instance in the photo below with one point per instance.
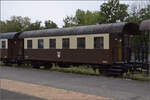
(16, 65)
(79, 70)
(26, 66)
(2, 64)
(137, 76)
(85, 70)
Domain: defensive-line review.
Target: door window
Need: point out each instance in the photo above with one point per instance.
(81, 43)
(65, 43)
(40, 43)
(52, 43)
(99, 42)
(29, 44)
(3, 44)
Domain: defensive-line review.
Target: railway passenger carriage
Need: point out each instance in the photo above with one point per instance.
(69, 49)
(145, 29)
(104, 46)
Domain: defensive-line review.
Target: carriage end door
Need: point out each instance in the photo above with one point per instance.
(15, 48)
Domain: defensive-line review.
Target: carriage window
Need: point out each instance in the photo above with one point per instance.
(65, 43)
(3, 44)
(40, 43)
(29, 44)
(52, 43)
(99, 42)
(80, 43)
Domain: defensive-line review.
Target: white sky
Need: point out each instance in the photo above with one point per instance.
(48, 10)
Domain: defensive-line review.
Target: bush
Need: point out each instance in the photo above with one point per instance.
(2, 64)
(141, 76)
(79, 70)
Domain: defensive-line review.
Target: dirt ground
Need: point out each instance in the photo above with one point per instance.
(95, 86)
(46, 92)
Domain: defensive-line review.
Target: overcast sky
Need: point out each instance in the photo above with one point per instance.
(49, 10)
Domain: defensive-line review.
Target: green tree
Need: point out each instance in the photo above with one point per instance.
(15, 24)
(113, 11)
(134, 15)
(139, 14)
(50, 24)
(82, 18)
(35, 26)
(70, 21)
(20, 23)
(87, 17)
(145, 13)
(3, 27)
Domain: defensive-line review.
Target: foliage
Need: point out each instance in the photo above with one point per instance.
(50, 24)
(35, 26)
(138, 15)
(140, 77)
(145, 13)
(113, 11)
(82, 18)
(3, 27)
(109, 12)
(2, 64)
(78, 70)
(86, 18)
(18, 23)
(70, 21)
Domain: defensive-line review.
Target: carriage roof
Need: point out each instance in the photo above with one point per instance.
(145, 25)
(117, 28)
(9, 35)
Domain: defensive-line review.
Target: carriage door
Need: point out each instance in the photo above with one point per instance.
(15, 48)
(117, 48)
(126, 48)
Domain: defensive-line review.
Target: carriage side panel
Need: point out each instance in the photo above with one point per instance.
(89, 55)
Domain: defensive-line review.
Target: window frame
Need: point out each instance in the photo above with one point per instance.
(3, 44)
(52, 45)
(81, 45)
(65, 43)
(39, 45)
(101, 45)
(29, 44)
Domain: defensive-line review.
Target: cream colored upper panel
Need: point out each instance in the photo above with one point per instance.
(1, 43)
(73, 41)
